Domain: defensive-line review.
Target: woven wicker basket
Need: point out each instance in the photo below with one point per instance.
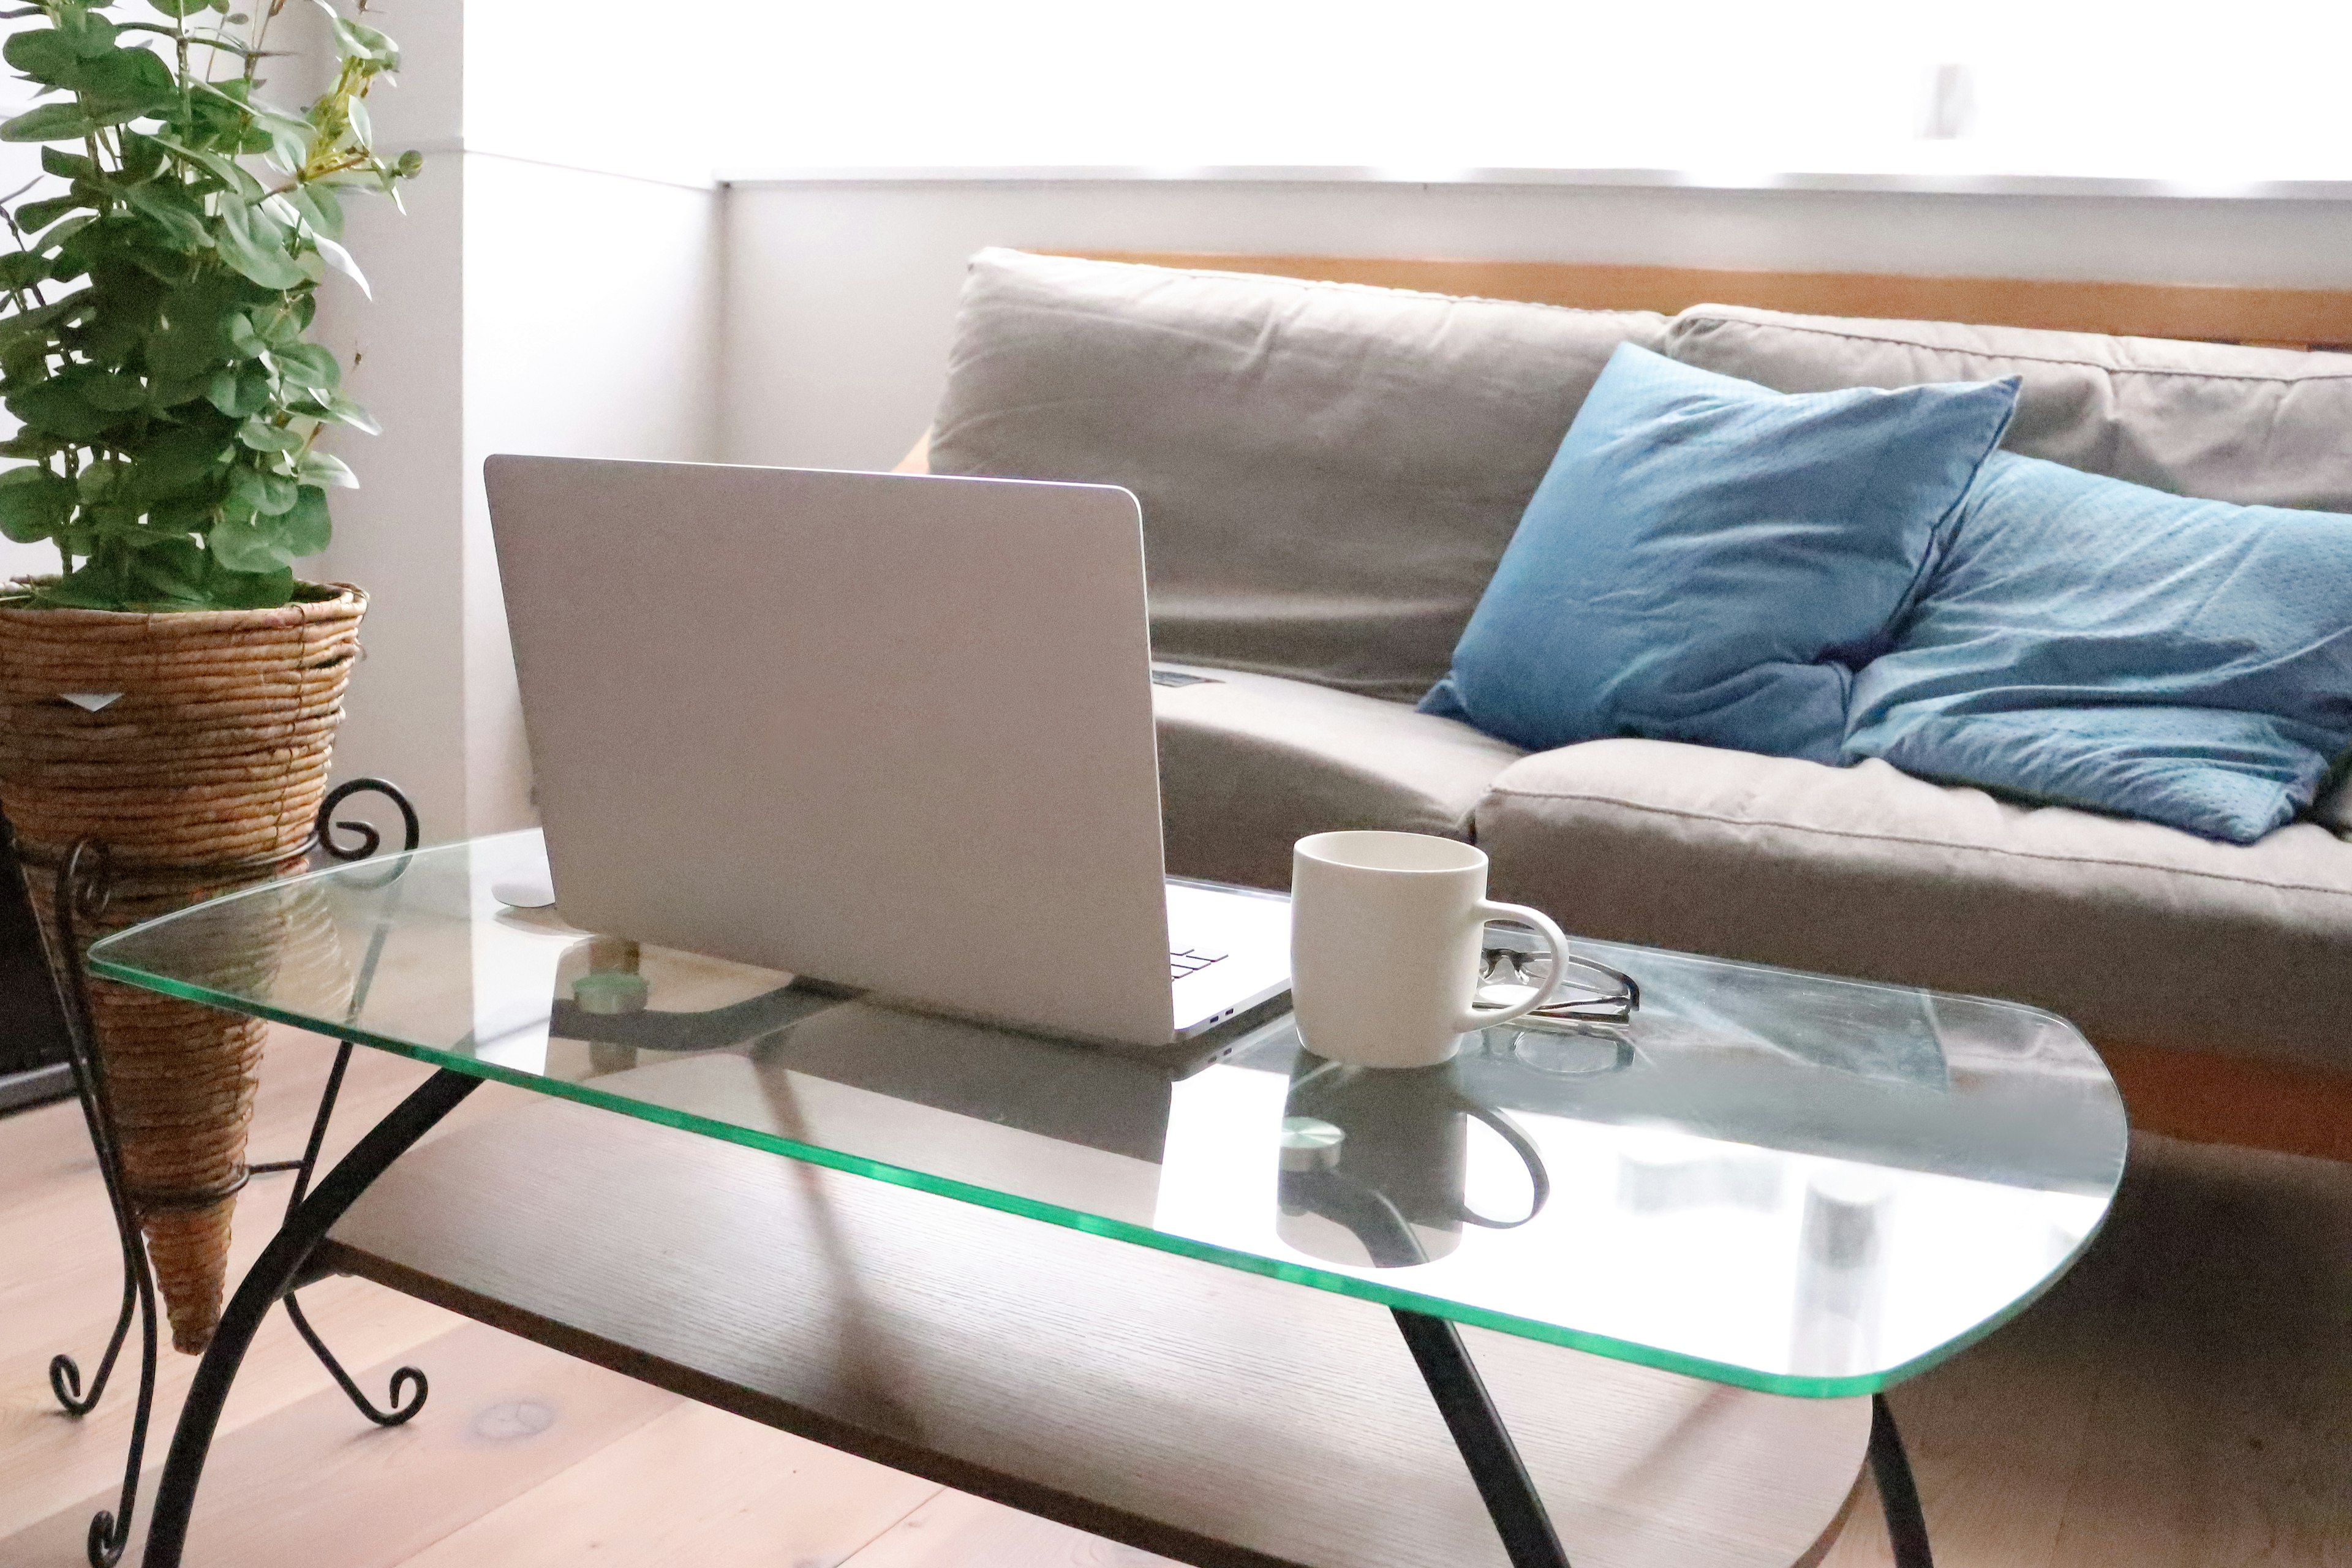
(216, 752)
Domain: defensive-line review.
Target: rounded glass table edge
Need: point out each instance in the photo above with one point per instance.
(1728, 1374)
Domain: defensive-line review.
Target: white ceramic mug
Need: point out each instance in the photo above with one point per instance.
(1384, 946)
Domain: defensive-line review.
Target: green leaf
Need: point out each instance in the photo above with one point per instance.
(233, 590)
(306, 528)
(32, 443)
(121, 84)
(290, 138)
(39, 321)
(60, 236)
(50, 123)
(66, 165)
(96, 584)
(115, 391)
(309, 364)
(128, 300)
(232, 176)
(214, 118)
(254, 242)
(280, 328)
(256, 490)
(260, 436)
(181, 459)
(45, 54)
(59, 407)
(168, 205)
(171, 570)
(22, 268)
(320, 468)
(35, 216)
(90, 34)
(357, 38)
(181, 7)
(343, 411)
(239, 391)
(24, 362)
(319, 209)
(238, 329)
(97, 483)
(187, 342)
(250, 544)
(35, 503)
(183, 514)
(341, 260)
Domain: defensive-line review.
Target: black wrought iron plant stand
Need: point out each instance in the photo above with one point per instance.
(86, 879)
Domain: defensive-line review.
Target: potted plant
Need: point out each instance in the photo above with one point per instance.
(173, 690)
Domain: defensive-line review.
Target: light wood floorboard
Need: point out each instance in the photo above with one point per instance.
(2184, 1397)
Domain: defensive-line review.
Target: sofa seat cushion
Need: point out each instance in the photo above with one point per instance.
(1328, 472)
(2139, 933)
(1249, 765)
(2258, 426)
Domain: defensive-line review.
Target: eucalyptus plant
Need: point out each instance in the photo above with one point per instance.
(154, 329)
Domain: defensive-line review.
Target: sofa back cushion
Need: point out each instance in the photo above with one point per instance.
(2258, 426)
(1328, 472)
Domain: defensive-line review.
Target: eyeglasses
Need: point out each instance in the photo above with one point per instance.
(1592, 994)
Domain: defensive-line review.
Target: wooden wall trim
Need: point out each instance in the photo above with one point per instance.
(2289, 318)
(2207, 1098)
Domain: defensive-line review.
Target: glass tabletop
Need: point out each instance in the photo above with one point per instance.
(1783, 1182)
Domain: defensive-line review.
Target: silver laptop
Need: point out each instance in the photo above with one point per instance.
(885, 731)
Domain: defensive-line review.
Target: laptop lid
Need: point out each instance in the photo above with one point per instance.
(890, 731)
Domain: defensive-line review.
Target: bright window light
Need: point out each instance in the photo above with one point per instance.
(2213, 97)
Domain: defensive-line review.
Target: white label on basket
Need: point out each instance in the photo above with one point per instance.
(90, 702)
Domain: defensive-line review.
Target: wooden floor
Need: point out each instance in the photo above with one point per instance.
(2185, 1397)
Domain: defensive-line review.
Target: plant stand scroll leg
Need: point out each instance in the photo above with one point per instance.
(81, 887)
(85, 881)
(1898, 1493)
(409, 1387)
(1496, 1468)
(272, 1274)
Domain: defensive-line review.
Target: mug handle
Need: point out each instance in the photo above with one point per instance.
(1477, 1017)
(1539, 1178)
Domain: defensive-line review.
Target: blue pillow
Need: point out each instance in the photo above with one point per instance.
(2095, 643)
(1707, 559)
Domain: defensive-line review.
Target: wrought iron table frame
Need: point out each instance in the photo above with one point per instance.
(1520, 1519)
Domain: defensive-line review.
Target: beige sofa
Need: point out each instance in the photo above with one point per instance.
(1329, 474)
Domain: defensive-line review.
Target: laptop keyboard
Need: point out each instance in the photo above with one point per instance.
(1184, 960)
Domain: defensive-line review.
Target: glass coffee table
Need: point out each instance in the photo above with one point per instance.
(1779, 1182)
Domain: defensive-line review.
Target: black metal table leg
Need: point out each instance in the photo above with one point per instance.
(1494, 1466)
(1899, 1494)
(272, 1274)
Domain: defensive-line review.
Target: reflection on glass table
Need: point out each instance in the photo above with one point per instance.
(1784, 1182)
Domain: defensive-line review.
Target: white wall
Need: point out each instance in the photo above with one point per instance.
(592, 330)
(841, 292)
(519, 306)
